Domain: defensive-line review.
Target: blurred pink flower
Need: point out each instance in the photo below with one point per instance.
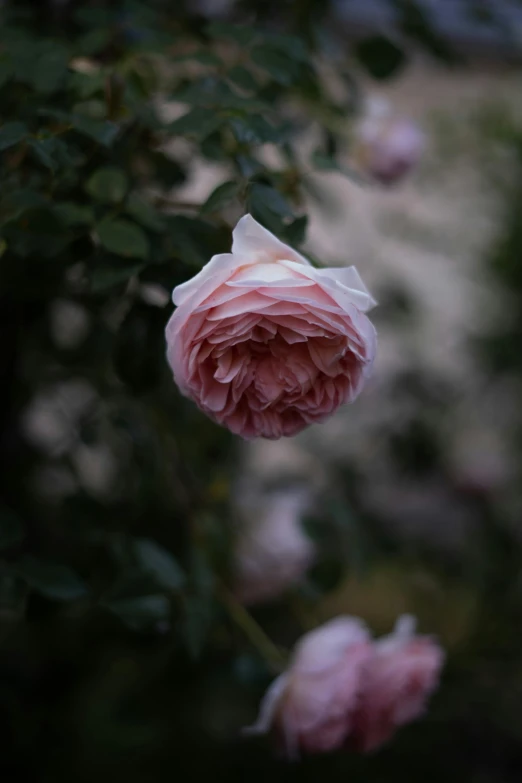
(266, 344)
(342, 689)
(273, 552)
(311, 706)
(404, 672)
(387, 147)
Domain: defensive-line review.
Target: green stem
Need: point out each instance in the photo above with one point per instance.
(244, 620)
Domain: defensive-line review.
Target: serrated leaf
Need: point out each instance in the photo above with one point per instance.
(108, 185)
(380, 56)
(12, 133)
(11, 531)
(123, 238)
(220, 197)
(158, 562)
(52, 580)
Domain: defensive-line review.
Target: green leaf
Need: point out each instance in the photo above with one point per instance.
(202, 56)
(42, 150)
(271, 198)
(295, 232)
(94, 41)
(278, 65)
(123, 238)
(326, 163)
(158, 562)
(199, 122)
(269, 207)
(11, 133)
(85, 85)
(108, 185)
(140, 612)
(107, 275)
(241, 34)
(3, 246)
(253, 129)
(380, 56)
(215, 94)
(74, 214)
(6, 71)
(11, 531)
(144, 213)
(53, 580)
(291, 45)
(194, 241)
(102, 131)
(220, 197)
(243, 78)
(50, 68)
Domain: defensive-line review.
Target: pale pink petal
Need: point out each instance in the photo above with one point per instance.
(252, 241)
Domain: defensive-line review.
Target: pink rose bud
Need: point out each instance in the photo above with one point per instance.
(272, 552)
(403, 673)
(311, 706)
(387, 148)
(266, 344)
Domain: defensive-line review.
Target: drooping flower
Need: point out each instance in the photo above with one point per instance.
(344, 690)
(404, 672)
(266, 344)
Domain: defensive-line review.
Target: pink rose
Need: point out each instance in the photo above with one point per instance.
(311, 706)
(387, 147)
(344, 690)
(266, 344)
(272, 551)
(405, 670)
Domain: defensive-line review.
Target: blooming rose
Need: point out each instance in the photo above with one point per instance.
(311, 706)
(387, 147)
(344, 690)
(273, 552)
(404, 672)
(265, 343)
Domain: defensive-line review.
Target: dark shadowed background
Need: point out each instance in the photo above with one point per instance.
(133, 135)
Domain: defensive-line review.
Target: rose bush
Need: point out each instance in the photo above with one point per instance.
(266, 344)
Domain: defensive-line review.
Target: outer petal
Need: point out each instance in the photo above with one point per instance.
(326, 646)
(219, 268)
(269, 706)
(257, 244)
(343, 285)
